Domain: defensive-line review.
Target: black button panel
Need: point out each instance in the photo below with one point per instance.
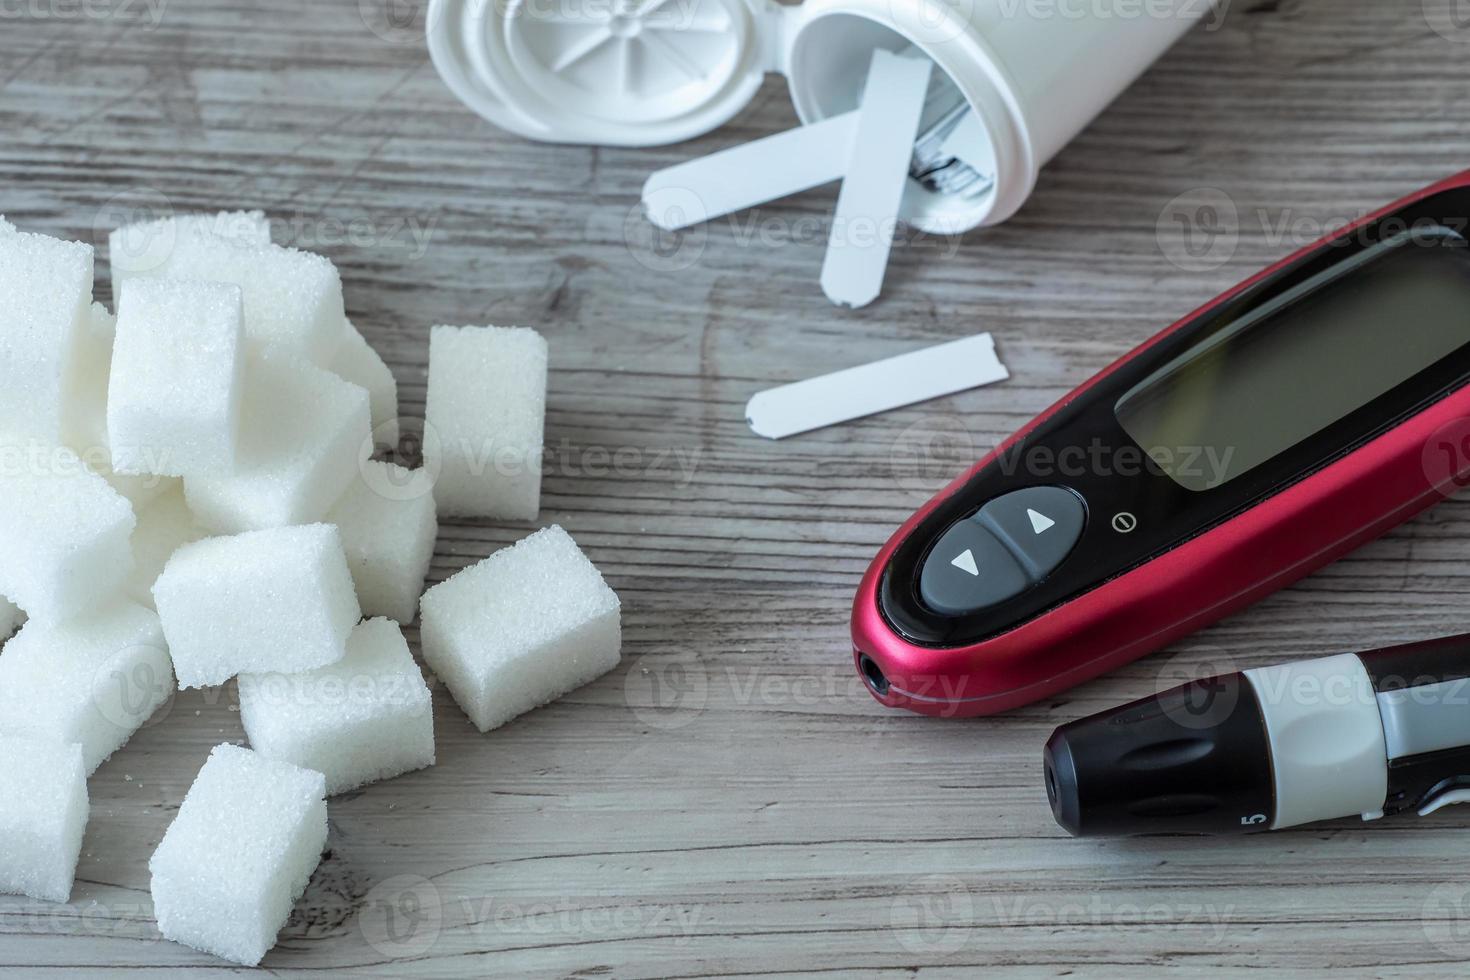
(1040, 525)
(970, 569)
(1015, 541)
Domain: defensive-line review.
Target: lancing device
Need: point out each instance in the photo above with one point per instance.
(1371, 734)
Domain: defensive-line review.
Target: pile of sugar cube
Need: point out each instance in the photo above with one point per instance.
(189, 495)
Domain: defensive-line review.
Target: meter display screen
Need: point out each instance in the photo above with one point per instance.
(1311, 356)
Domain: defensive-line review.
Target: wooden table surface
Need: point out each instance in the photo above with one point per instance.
(730, 801)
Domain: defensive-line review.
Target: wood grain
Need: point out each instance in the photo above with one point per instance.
(730, 802)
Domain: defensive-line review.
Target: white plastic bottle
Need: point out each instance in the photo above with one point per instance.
(651, 72)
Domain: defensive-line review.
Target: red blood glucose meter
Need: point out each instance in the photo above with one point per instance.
(1304, 412)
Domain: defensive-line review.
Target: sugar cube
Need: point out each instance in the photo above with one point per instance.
(43, 814)
(388, 529)
(274, 600)
(10, 617)
(358, 363)
(173, 402)
(239, 854)
(63, 532)
(87, 426)
(45, 304)
(486, 417)
(94, 680)
(164, 526)
(365, 718)
(303, 432)
(293, 299)
(521, 628)
(6, 228)
(144, 247)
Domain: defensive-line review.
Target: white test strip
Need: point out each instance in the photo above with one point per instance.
(750, 174)
(877, 174)
(877, 387)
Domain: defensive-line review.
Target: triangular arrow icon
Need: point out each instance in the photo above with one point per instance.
(1039, 522)
(966, 562)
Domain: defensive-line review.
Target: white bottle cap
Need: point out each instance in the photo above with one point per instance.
(605, 72)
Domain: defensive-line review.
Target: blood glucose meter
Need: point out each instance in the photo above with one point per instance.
(1302, 413)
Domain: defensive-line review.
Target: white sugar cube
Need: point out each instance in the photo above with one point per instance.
(164, 526)
(365, 718)
(388, 529)
(94, 680)
(43, 814)
(521, 628)
(10, 616)
(303, 432)
(101, 327)
(6, 228)
(143, 248)
(87, 429)
(63, 533)
(358, 363)
(45, 306)
(276, 600)
(239, 854)
(293, 299)
(486, 418)
(178, 364)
